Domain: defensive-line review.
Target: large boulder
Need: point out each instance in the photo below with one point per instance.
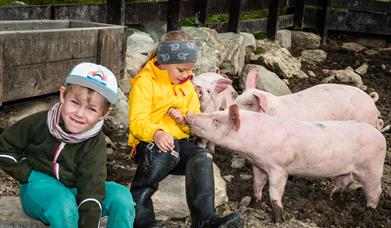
(267, 81)
(211, 49)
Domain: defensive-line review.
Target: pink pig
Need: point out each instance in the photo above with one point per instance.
(278, 147)
(320, 102)
(215, 93)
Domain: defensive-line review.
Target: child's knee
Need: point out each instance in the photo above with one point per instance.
(118, 194)
(64, 214)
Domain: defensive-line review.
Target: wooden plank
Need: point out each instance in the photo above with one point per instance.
(285, 21)
(363, 5)
(360, 22)
(33, 25)
(107, 42)
(202, 12)
(272, 20)
(82, 12)
(34, 80)
(256, 25)
(142, 12)
(25, 13)
(299, 15)
(234, 16)
(173, 12)
(88, 24)
(29, 47)
(115, 12)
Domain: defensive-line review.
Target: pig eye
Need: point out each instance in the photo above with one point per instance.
(221, 109)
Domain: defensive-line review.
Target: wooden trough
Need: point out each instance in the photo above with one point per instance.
(36, 55)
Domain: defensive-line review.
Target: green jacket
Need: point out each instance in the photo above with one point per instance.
(28, 145)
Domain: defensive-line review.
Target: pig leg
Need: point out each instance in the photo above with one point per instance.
(259, 180)
(341, 182)
(211, 147)
(277, 180)
(202, 142)
(371, 181)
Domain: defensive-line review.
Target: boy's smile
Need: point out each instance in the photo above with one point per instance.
(82, 108)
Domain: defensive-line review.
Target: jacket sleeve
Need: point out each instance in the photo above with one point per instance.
(90, 183)
(13, 142)
(140, 107)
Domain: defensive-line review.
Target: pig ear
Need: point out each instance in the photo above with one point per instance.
(234, 116)
(222, 84)
(215, 70)
(252, 78)
(262, 100)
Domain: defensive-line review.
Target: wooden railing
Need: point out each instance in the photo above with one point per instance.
(366, 16)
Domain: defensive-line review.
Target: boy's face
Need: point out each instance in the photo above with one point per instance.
(81, 109)
(178, 72)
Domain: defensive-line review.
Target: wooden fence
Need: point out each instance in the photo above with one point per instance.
(365, 16)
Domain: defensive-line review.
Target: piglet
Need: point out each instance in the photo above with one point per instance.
(278, 147)
(320, 102)
(215, 93)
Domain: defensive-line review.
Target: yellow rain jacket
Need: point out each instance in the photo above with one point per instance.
(151, 97)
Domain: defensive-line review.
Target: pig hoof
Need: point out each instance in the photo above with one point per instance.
(277, 213)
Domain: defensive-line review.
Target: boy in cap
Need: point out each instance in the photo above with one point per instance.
(59, 156)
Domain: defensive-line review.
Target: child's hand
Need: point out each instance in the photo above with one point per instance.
(176, 115)
(163, 140)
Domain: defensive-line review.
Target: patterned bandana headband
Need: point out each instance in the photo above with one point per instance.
(171, 52)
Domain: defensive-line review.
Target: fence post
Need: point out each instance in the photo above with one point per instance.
(2, 71)
(173, 11)
(325, 19)
(115, 12)
(272, 19)
(299, 15)
(234, 16)
(201, 12)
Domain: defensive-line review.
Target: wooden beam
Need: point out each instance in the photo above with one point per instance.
(299, 15)
(234, 16)
(1, 71)
(325, 20)
(173, 12)
(115, 12)
(363, 5)
(272, 20)
(202, 12)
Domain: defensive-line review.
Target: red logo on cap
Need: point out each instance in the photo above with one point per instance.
(99, 74)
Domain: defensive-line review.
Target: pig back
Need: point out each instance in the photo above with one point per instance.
(329, 102)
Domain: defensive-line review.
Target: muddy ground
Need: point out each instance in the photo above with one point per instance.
(306, 201)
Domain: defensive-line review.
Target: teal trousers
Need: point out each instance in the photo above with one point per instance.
(46, 199)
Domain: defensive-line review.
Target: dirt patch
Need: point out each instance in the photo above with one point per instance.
(309, 199)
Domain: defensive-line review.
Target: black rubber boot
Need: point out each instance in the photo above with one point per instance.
(153, 166)
(200, 194)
